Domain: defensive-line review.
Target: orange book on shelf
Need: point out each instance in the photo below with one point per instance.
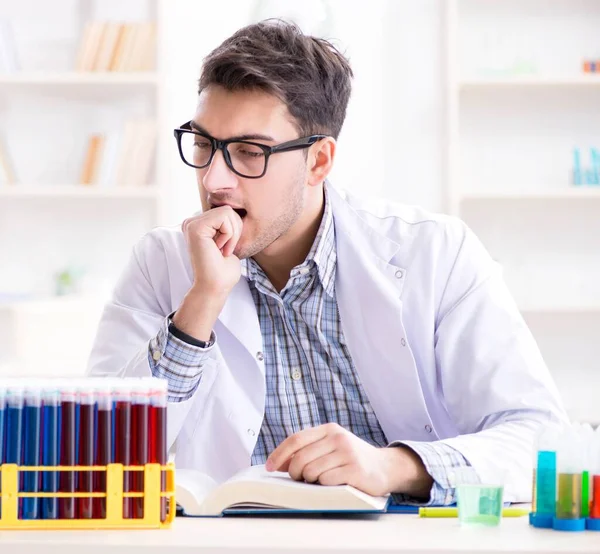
(118, 49)
(121, 60)
(91, 42)
(92, 160)
(107, 47)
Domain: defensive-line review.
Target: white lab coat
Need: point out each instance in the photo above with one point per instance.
(437, 340)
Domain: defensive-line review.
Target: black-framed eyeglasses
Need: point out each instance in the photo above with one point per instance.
(245, 158)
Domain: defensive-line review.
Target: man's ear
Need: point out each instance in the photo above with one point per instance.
(320, 160)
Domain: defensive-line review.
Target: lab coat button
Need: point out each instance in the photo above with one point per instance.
(251, 432)
(260, 356)
(156, 355)
(402, 342)
(428, 428)
(399, 274)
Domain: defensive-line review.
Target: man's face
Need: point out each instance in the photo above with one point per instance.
(271, 204)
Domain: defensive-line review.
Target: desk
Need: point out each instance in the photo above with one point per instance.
(406, 534)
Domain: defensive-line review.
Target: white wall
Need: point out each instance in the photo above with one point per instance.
(396, 107)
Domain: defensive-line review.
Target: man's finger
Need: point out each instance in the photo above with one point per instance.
(308, 455)
(293, 444)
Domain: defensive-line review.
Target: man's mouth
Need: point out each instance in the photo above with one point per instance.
(240, 211)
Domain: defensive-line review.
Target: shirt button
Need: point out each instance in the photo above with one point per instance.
(399, 274)
(156, 355)
(251, 432)
(402, 342)
(260, 356)
(296, 375)
(303, 270)
(428, 428)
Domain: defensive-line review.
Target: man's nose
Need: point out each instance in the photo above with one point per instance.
(218, 175)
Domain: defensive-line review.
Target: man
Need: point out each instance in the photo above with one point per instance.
(341, 340)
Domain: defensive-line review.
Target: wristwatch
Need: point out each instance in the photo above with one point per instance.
(188, 338)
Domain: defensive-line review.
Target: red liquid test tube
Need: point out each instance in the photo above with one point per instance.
(104, 443)
(595, 508)
(158, 433)
(122, 392)
(140, 404)
(67, 479)
(86, 448)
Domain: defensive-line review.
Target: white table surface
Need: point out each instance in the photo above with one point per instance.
(404, 533)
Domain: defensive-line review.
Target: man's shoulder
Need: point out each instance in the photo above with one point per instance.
(400, 221)
(160, 241)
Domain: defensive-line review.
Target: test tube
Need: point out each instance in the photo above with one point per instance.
(14, 422)
(595, 507)
(586, 436)
(86, 447)
(50, 410)
(140, 404)
(158, 433)
(104, 442)
(122, 393)
(28, 507)
(544, 502)
(68, 452)
(569, 469)
(2, 412)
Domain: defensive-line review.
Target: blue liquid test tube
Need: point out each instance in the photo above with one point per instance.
(50, 402)
(14, 423)
(31, 449)
(544, 503)
(2, 412)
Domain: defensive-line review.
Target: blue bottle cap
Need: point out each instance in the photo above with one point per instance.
(592, 524)
(541, 521)
(568, 524)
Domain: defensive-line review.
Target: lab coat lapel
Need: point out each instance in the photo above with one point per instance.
(368, 292)
(240, 319)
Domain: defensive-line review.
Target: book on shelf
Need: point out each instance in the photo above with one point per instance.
(7, 173)
(136, 153)
(255, 490)
(117, 46)
(9, 61)
(121, 158)
(93, 159)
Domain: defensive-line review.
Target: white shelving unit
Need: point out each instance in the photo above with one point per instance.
(509, 142)
(77, 191)
(48, 223)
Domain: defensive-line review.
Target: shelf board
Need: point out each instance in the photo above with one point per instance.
(77, 191)
(583, 80)
(560, 310)
(587, 192)
(80, 78)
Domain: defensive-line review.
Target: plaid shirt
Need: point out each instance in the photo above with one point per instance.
(310, 377)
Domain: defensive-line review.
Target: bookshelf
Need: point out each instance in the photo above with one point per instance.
(77, 192)
(79, 78)
(50, 108)
(515, 111)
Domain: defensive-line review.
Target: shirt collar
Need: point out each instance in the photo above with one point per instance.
(322, 254)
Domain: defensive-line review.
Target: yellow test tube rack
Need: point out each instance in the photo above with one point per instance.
(10, 495)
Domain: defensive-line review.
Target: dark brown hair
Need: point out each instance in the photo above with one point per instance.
(308, 74)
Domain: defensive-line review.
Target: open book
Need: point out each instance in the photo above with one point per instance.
(256, 490)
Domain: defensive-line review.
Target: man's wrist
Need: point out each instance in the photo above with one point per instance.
(197, 314)
(406, 472)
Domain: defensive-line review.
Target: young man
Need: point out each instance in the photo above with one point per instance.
(341, 340)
